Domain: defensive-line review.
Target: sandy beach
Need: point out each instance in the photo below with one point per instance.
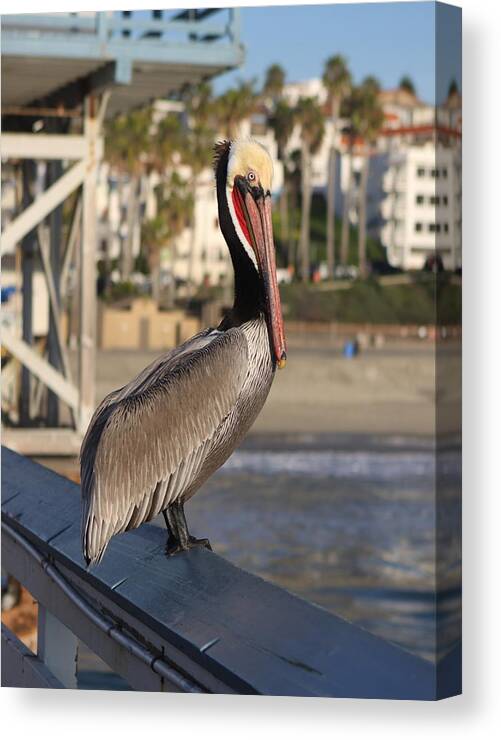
(387, 391)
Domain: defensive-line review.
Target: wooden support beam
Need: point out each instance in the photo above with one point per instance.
(28, 246)
(40, 442)
(57, 648)
(52, 268)
(87, 348)
(42, 206)
(21, 669)
(61, 349)
(43, 146)
(54, 302)
(41, 368)
(73, 236)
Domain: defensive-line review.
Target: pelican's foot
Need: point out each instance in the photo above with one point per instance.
(203, 542)
(172, 548)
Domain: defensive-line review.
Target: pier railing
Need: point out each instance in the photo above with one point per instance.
(113, 27)
(192, 623)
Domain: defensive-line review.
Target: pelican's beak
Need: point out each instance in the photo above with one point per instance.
(255, 205)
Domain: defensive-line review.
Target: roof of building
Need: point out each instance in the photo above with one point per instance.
(400, 96)
(56, 59)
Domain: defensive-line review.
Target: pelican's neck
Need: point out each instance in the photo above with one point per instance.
(249, 300)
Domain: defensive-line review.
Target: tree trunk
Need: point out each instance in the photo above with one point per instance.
(331, 213)
(292, 245)
(191, 254)
(345, 232)
(153, 259)
(304, 242)
(155, 283)
(171, 288)
(331, 195)
(362, 219)
(132, 216)
(284, 221)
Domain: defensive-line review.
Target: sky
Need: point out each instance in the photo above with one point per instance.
(386, 40)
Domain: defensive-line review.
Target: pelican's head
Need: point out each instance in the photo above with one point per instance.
(247, 170)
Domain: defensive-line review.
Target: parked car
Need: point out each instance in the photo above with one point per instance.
(346, 272)
(284, 276)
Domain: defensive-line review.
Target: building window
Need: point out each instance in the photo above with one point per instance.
(418, 226)
(434, 228)
(421, 171)
(434, 200)
(445, 200)
(444, 172)
(419, 199)
(446, 228)
(435, 173)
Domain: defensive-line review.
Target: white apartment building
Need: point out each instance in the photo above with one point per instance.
(422, 206)
(414, 186)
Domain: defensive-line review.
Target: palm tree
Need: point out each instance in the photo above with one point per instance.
(200, 104)
(173, 214)
(197, 150)
(126, 142)
(154, 235)
(337, 82)
(281, 121)
(310, 119)
(294, 180)
(166, 142)
(453, 89)
(407, 84)
(233, 106)
(350, 102)
(351, 111)
(367, 119)
(197, 154)
(274, 82)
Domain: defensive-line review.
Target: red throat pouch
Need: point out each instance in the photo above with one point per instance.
(238, 204)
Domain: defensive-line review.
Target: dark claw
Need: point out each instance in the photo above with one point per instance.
(174, 548)
(203, 542)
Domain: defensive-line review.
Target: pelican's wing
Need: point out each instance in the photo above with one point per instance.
(145, 442)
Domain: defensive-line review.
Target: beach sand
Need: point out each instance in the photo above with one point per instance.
(387, 391)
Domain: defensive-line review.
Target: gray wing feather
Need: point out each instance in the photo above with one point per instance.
(146, 441)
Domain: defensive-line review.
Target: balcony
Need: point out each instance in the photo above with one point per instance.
(143, 57)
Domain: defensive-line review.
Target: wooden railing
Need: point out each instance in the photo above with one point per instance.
(191, 623)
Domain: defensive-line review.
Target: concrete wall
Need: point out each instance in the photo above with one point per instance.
(143, 326)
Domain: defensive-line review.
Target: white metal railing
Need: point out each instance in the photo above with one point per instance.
(112, 25)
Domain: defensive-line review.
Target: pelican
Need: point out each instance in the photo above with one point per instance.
(152, 444)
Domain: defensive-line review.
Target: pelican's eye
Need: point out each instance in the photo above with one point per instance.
(251, 176)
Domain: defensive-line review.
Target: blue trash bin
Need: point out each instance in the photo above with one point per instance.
(350, 349)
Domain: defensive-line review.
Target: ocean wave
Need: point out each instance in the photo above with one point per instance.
(359, 465)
